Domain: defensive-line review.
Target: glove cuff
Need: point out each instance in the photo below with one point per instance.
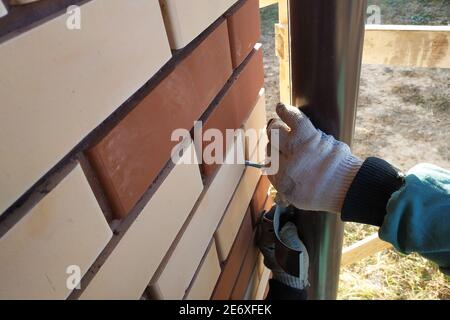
(289, 280)
(369, 193)
(343, 177)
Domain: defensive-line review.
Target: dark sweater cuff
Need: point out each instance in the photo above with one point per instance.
(280, 291)
(370, 191)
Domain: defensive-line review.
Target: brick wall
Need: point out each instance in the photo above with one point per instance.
(86, 174)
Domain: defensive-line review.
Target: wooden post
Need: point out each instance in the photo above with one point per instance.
(363, 249)
(282, 51)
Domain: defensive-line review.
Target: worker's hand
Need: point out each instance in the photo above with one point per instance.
(315, 170)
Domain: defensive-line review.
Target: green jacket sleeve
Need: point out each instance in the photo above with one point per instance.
(418, 215)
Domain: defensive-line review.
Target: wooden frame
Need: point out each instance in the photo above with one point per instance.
(282, 44)
(363, 249)
(282, 47)
(408, 46)
(396, 45)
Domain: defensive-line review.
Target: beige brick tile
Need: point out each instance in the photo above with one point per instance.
(256, 121)
(125, 159)
(260, 265)
(263, 284)
(253, 285)
(57, 84)
(246, 272)
(186, 19)
(207, 276)
(66, 228)
(130, 267)
(261, 199)
(229, 227)
(235, 261)
(179, 270)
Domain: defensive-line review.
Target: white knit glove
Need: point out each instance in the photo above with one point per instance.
(289, 236)
(315, 170)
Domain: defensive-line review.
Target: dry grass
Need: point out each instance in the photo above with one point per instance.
(391, 276)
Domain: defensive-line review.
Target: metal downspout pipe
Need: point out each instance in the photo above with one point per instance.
(326, 44)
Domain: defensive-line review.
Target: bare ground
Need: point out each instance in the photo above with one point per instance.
(403, 117)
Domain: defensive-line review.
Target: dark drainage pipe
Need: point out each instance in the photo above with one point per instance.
(326, 38)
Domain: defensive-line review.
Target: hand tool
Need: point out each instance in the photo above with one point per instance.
(256, 165)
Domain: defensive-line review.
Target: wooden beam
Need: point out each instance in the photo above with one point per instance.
(363, 249)
(283, 51)
(263, 283)
(282, 47)
(409, 46)
(266, 3)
